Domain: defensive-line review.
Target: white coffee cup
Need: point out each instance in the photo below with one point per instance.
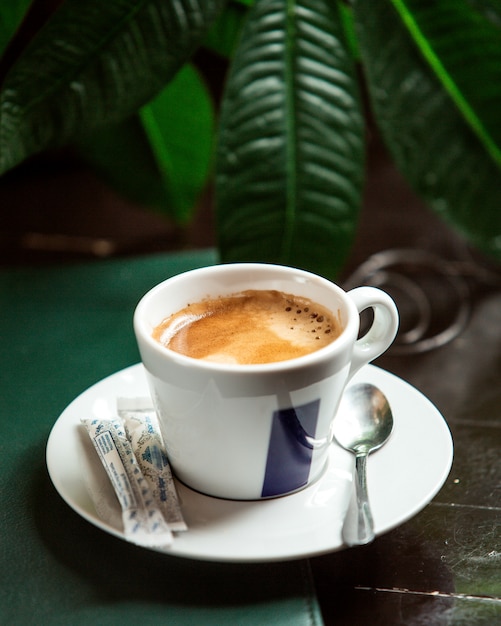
(248, 432)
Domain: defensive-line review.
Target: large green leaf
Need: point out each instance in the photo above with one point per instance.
(290, 155)
(179, 126)
(161, 157)
(224, 34)
(95, 62)
(434, 72)
(121, 154)
(11, 14)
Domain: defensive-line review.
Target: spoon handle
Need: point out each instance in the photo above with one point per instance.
(358, 528)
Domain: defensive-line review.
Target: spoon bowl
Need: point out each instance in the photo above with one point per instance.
(363, 424)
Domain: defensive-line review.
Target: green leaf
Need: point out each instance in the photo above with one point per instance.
(490, 9)
(122, 155)
(434, 74)
(180, 126)
(290, 156)
(11, 15)
(224, 34)
(160, 157)
(94, 63)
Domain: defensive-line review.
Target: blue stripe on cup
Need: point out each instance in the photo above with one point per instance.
(289, 453)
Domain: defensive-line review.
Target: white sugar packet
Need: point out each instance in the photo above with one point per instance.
(142, 428)
(143, 522)
(97, 483)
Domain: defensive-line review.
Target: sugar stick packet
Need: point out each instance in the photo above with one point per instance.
(142, 428)
(142, 519)
(98, 484)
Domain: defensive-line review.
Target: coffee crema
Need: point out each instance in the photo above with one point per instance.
(250, 327)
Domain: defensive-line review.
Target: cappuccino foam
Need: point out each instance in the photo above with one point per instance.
(251, 327)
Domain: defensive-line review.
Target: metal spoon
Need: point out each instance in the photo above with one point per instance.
(363, 424)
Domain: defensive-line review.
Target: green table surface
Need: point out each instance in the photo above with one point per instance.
(64, 328)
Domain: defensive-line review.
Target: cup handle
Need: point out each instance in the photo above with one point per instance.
(383, 330)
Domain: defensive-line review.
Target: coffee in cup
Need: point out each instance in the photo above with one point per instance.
(251, 327)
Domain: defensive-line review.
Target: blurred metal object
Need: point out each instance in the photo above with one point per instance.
(434, 296)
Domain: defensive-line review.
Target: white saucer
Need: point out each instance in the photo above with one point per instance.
(403, 477)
